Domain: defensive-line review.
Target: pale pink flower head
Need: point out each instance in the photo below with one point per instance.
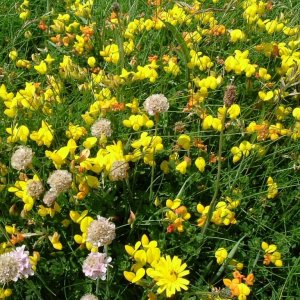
(89, 297)
(22, 257)
(156, 104)
(95, 265)
(15, 265)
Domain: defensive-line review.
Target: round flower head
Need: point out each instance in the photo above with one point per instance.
(22, 257)
(21, 158)
(34, 188)
(8, 269)
(95, 265)
(156, 104)
(89, 297)
(101, 127)
(15, 265)
(49, 197)
(101, 232)
(118, 170)
(60, 181)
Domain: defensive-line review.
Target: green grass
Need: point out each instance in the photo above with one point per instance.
(276, 221)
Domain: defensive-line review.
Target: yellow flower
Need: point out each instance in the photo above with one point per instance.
(54, 239)
(76, 216)
(13, 55)
(266, 96)
(221, 254)
(41, 68)
(181, 167)
(200, 164)
(49, 59)
(164, 166)
(168, 274)
(34, 259)
(111, 53)
(5, 293)
(272, 188)
(75, 132)
(173, 204)
(44, 135)
(236, 35)
(134, 277)
(207, 122)
(234, 111)
(263, 74)
(296, 113)
(17, 133)
(184, 141)
(90, 142)
(237, 154)
(91, 61)
(245, 147)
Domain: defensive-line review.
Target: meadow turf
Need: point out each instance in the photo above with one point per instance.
(201, 181)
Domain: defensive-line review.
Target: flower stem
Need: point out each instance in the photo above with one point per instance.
(153, 165)
(107, 274)
(217, 183)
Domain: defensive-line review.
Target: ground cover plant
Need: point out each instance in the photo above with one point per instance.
(149, 149)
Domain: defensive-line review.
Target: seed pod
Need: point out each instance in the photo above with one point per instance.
(230, 95)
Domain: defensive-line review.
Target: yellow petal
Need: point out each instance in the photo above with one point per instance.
(129, 275)
(84, 224)
(74, 215)
(92, 181)
(139, 275)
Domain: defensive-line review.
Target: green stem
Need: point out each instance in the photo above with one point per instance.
(217, 185)
(153, 165)
(229, 258)
(107, 274)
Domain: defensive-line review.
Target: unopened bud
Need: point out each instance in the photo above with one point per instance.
(115, 7)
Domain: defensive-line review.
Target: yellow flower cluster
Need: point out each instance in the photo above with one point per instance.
(240, 63)
(32, 98)
(137, 121)
(237, 286)
(166, 272)
(21, 191)
(176, 215)
(272, 188)
(146, 147)
(243, 150)
(271, 255)
(84, 221)
(222, 215)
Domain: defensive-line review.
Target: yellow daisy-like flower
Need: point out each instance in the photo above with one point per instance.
(168, 274)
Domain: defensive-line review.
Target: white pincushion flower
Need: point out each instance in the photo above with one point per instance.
(101, 232)
(119, 170)
(34, 188)
(50, 197)
(60, 181)
(101, 127)
(156, 104)
(22, 158)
